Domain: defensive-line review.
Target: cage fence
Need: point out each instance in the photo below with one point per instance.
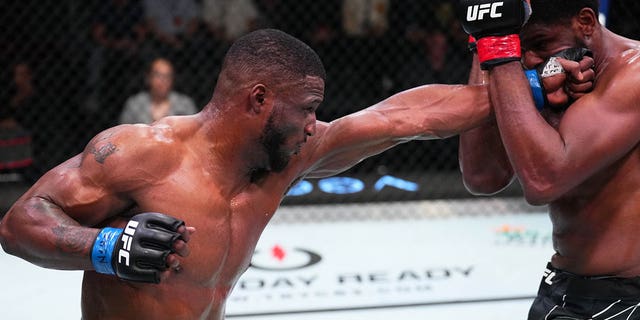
(71, 69)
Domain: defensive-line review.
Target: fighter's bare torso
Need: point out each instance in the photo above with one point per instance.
(206, 169)
(228, 228)
(595, 224)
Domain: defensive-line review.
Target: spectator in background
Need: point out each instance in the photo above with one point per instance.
(227, 20)
(118, 32)
(415, 20)
(17, 114)
(433, 61)
(364, 25)
(365, 18)
(22, 88)
(119, 29)
(172, 24)
(15, 144)
(318, 22)
(160, 100)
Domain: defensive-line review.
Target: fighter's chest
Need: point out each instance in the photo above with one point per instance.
(227, 228)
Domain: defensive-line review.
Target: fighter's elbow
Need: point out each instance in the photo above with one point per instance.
(539, 193)
(484, 184)
(7, 241)
(484, 189)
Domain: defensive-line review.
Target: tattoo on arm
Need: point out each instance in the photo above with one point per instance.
(103, 152)
(68, 240)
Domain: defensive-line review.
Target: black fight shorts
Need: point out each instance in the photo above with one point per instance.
(567, 296)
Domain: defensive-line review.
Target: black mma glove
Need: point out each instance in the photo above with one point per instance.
(495, 26)
(550, 68)
(139, 251)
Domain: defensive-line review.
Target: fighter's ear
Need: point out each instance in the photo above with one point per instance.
(258, 98)
(586, 21)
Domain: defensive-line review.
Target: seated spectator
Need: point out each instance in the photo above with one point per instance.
(172, 24)
(119, 26)
(432, 62)
(15, 140)
(118, 32)
(364, 18)
(365, 25)
(229, 19)
(160, 100)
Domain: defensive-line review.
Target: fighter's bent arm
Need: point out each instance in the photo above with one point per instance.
(596, 130)
(426, 112)
(54, 223)
(483, 161)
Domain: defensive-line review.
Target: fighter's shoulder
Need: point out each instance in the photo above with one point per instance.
(626, 63)
(134, 144)
(622, 73)
(141, 135)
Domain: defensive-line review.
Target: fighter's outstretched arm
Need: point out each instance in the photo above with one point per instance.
(426, 112)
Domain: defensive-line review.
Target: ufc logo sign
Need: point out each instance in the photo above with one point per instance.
(127, 237)
(478, 11)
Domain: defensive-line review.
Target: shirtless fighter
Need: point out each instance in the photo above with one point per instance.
(117, 209)
(583, 161)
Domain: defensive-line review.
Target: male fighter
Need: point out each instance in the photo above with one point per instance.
(583, 161)
(117, 209)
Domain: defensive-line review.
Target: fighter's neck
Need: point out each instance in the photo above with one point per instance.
(607, 46)
(233, 149)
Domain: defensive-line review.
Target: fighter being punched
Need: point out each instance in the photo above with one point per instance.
(582, 161)
(117, 209)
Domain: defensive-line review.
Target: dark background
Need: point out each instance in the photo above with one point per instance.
(74, 97)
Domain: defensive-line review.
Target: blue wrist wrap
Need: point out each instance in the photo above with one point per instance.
(102, 250)
(536, 88)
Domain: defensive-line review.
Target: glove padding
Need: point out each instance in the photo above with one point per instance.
(484, 18)
(140, 252)
(495, 25)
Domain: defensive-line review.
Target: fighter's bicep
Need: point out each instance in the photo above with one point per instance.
(343, 143)
(77, 189)
(95, 184)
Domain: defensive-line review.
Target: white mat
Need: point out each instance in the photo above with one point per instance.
(358, 262)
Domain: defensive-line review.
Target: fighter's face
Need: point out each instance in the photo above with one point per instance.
(541, 42)
(292, 120)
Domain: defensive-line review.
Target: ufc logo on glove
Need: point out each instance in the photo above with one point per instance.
(477, 12)
(129, 231)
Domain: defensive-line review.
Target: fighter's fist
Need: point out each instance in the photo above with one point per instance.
(140, 252)
(495, 25)
(566, 75)
(580, 81)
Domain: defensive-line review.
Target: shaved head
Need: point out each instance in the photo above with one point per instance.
(269, 56)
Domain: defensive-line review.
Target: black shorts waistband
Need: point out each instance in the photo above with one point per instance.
(594, 286)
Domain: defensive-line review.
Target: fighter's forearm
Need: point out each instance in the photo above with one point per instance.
(38, 231)
(434, 111)
(533, 146)
(483, 161)
(427, 112)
